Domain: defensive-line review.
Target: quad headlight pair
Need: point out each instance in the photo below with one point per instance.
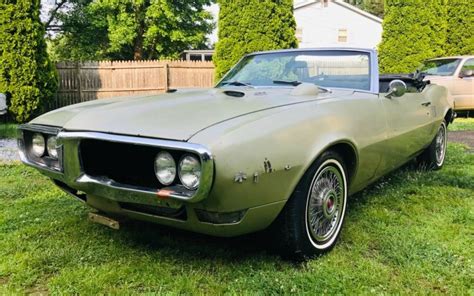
(188, 170)
(39, 146)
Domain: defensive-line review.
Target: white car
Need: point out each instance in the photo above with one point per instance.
(456, 74)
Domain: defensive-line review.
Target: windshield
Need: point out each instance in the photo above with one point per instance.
(331, 69)
(444, 67)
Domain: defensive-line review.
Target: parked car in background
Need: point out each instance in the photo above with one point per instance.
(282, 140)
(455, 73)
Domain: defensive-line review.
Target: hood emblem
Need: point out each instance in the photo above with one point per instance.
(240, 177)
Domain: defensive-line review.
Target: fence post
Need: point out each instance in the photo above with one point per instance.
(167, 80)
(79, 87)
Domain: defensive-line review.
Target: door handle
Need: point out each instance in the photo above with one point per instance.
(426, 104)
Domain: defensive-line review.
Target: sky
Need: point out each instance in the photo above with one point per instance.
(46, 5)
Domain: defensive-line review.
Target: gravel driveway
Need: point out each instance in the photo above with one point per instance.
(463, 137)
(8, 150)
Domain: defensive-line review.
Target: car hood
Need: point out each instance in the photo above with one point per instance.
(175, 116)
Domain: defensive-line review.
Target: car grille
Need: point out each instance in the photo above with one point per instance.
(124, 163)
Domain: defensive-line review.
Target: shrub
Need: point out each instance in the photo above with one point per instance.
(27, 75)
(413, 31)
(460, 37)
(246, 26)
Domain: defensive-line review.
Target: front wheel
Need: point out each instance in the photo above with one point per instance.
(433, 157)
(312, 219)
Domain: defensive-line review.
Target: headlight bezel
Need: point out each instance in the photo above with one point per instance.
(174, 166)
(25, 147)
(180, 171)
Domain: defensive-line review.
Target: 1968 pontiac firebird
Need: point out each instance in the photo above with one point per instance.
(282, 140)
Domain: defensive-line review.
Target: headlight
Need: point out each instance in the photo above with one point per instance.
(189, 172)
(52, 147)
(38, 145)
(165, 168)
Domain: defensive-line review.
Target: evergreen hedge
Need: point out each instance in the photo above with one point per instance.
(460, 36)
(27, 75)
(247, 26)
(413, 31)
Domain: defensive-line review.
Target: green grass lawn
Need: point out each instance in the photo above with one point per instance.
(462, 124)
(8, 130)
(412, 232)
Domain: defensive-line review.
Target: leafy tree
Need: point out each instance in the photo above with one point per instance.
(413, 31)
(246, 26)
(123, 29)
(460, 35)
(82, 33)
(375, 7)
(26, 73)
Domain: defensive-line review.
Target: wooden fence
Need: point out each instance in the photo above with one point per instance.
(80, 82)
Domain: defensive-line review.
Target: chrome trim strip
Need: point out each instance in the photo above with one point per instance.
(45, 129)
(373, 62)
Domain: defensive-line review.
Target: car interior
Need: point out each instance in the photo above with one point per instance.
(414, 82)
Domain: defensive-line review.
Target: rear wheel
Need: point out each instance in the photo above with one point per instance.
(433, 157)
(312, 219)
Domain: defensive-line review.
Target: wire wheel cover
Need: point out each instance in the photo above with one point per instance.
(441, 145)
(325, 204)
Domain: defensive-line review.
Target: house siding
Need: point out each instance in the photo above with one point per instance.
(321, 27)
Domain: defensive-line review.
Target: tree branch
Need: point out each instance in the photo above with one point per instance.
(53, 13)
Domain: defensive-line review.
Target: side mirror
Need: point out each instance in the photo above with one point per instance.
(397, 88)
(466, 73)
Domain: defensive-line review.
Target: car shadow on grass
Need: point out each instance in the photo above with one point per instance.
(405, 181)
(150, 236)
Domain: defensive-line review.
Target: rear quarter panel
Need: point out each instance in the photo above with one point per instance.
(442, 102)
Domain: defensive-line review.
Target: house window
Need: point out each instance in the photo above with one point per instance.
(195, 57)
(299, 34)
(342, 36)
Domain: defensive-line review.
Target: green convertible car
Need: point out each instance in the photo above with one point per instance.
(282, 141)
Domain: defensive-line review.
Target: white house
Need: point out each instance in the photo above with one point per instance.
(334, 23)
(329, 23)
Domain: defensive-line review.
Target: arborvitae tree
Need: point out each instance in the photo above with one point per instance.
(246, 26)
(460, 37)
(413, 31)
(26, 73)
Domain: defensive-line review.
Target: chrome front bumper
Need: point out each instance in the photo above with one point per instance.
(73, 175)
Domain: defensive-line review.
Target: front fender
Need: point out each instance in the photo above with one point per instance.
(261, 160)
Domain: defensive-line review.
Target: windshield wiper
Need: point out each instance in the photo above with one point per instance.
(236, 83)
(296, 83)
